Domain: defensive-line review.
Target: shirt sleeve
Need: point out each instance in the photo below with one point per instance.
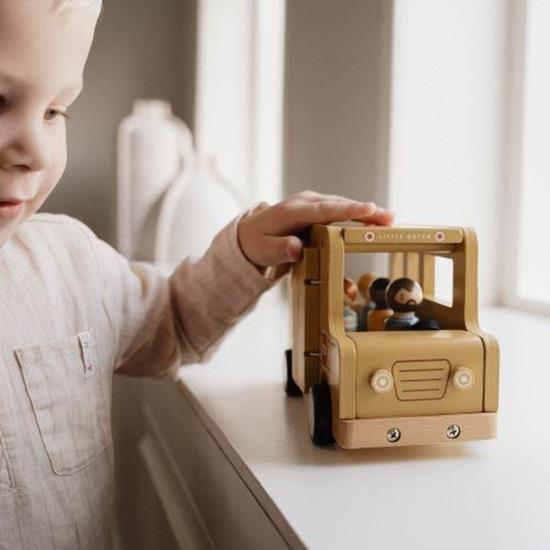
(163, 321)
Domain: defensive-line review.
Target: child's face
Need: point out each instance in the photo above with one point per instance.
(42, 58)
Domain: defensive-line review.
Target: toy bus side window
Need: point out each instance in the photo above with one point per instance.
(434, 272)
(442, 280)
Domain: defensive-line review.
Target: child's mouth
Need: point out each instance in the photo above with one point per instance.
(10, 209)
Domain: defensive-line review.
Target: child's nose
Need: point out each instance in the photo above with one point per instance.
(26, 149)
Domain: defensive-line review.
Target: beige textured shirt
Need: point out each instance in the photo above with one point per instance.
(73, 311)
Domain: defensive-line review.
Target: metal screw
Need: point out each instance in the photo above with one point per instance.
(393, 435)
(453, 431)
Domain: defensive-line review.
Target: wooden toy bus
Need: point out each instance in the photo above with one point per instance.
(392, 388)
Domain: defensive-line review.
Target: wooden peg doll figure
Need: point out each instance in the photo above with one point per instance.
(350, 295)
(363, 309)
(404, 296)
(377, 316)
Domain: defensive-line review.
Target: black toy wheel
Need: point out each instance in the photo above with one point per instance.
(320, 414)
(291, 388)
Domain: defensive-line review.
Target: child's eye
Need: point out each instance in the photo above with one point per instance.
(52, 114)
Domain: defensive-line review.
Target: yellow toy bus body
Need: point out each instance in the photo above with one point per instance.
(392, 388)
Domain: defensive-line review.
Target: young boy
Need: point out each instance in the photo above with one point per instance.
(74, 311)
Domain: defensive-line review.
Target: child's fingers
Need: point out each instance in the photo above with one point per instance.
(282, 219)
(314, 196)
(278, 250)
(380, 217)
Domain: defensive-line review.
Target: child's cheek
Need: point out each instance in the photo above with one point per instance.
(58, 163)
(48, 181)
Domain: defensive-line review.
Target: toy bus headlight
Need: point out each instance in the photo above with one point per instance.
(381, 381)
(463, 378)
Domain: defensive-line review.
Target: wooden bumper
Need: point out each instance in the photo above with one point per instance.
(416, 430)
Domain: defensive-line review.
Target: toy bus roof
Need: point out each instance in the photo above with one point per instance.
(355, 233)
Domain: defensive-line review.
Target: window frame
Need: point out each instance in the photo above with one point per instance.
(516, 82)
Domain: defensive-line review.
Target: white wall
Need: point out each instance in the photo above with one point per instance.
(403, 102)
(224, 93)
(336, 96)
(448, 118)
(240, 93)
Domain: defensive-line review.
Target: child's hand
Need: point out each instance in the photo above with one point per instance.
(267, 235)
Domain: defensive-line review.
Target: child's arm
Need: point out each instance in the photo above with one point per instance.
(161, 322)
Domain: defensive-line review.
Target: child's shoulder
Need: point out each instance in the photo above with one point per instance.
(62, 224)
(57, 219)
(44, 229)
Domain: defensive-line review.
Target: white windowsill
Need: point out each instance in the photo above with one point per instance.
(493, 494)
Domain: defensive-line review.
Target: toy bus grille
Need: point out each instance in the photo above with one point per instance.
(419, 380)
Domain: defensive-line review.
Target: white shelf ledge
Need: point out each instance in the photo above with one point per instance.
(488, 494)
